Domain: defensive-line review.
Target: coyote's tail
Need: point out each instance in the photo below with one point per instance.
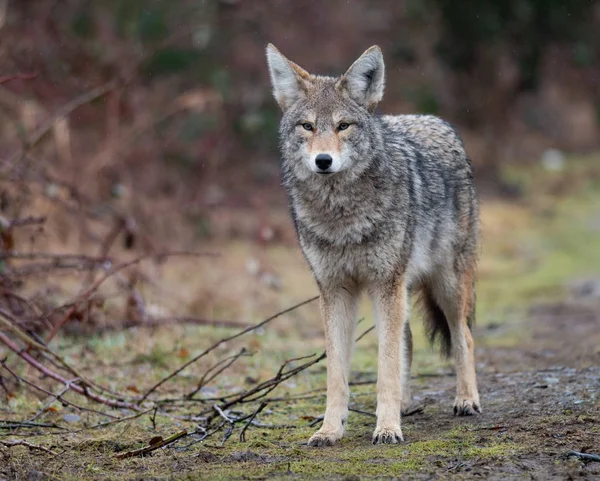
(436, 324)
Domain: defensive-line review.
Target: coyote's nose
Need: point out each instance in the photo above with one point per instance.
(323, 161)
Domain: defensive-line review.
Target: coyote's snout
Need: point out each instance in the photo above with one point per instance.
(384, 205)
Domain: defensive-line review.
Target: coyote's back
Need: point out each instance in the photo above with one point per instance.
(383, 204)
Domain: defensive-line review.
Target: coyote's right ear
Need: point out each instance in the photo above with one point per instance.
(289, 81)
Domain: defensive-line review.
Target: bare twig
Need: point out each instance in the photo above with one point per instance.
(159, 443)
(60, 397)
(254, 414)
(217, 369)
(230, 422)
(150, 321)
(20, 442)
(62, 112)
(19, 76)
(222, 341)
(110, 423)
(9, 321)
(55, 397)
(584, 456)
(24, 424)
(57, 377)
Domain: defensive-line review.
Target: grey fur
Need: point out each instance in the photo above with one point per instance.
(402, 204)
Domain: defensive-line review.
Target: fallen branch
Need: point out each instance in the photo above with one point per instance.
(149, 321)
(261, 390)
(230, 423)
(59, 397)
(20, 442)
(250, 421)
(25, 424)
(57, 377)
(217, 369)
(584, 456)
(153, 446)
(222, 341)
(9, 321)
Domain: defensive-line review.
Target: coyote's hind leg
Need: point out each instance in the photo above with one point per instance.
(455, 296)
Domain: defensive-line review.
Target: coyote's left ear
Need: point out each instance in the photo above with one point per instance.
(365, 79)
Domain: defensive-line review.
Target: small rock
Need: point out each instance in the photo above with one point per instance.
(71, 418)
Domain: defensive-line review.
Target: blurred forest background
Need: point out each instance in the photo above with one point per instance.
(174, 127)
(139, 186)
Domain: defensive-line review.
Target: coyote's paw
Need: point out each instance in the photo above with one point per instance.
(325, 438)
(387, 436)
(466, 407)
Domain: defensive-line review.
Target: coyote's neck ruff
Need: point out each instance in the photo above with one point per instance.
(384, 204)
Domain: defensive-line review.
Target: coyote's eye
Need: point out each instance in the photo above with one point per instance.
(343, 126)
(307, 126)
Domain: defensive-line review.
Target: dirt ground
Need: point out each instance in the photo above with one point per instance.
(540, 396)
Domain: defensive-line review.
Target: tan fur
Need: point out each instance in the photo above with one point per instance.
(455, 297)
(339, 311)
(324, 142)
(391, 309)
(467, 396)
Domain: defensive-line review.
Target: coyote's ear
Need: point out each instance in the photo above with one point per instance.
(290, 81)
(365, 79)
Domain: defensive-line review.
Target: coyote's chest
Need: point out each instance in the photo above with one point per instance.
(348, 235)
(341, 218)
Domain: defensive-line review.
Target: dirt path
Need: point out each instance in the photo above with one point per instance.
(542, 394)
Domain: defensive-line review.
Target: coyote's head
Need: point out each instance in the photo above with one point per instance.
(328, 123)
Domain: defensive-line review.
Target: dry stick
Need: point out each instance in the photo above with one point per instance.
(4, 424)
(271, 384)
(243, 433)
(55, 397)
(584, 456)
(217, 369)
(110, 423)
(229, 421)
(153, 447)
(20, 442)
(62, 400)
(10, 322)
(57, 377)
(151, 321)
(222, 341)
(264, 388)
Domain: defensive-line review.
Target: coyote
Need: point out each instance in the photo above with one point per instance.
(382, 204)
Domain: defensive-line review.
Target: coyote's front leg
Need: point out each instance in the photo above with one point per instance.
(390, 305)
(339, 309)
